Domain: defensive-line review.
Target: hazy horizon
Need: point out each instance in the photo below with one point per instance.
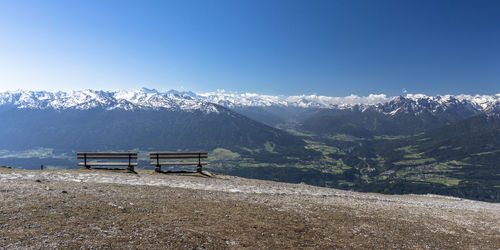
(232, 92)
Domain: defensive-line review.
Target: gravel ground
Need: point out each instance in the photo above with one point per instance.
(113, 209)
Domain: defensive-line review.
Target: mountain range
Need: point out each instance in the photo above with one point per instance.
(91, 120)
(411, 143)
(149, 98)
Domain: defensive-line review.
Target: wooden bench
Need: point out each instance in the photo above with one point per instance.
(127, 159)
(177, 159)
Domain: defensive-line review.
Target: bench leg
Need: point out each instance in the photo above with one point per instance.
(87, 166)
(131, 168)
(198, 169)
(158, 168)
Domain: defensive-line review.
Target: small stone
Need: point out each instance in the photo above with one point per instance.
(47, 188)
(38, 180)
(64, 192)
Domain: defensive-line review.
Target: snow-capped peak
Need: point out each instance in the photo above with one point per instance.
(180, 100)
(410, 103)
(109, 100)
(232, 99)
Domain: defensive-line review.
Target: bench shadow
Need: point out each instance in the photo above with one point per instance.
(184, 172)
(114, 169)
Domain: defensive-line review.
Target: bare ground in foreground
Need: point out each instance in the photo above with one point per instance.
(111, 209)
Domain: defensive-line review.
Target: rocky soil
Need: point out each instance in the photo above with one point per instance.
(113, 209)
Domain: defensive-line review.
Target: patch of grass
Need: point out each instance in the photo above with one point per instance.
(222, 154)
(406, 172)
(269, 147)
(407, 149)
(343, 137)
(444, 180)
(487, 153)
(413, 156)
(325, 168)
(320, 147)
(382, 177)
(299, 133)
(457, 163)
(336, 171)
(342, 165)
(390, 137)
(325, 150)
(415, 162)
(380, 161)
(443, 167)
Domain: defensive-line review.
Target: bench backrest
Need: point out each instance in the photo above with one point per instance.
(105, 156)
(179, 155)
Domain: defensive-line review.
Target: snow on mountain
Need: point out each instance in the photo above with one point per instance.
(110, 100)
(335, 102)
(231, 100)
(416, 103)
(410, 103)
(177, 100)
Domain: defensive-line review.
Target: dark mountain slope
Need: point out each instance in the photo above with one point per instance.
(401, 116)
(275, 115)
(475, 140)
(100, 129)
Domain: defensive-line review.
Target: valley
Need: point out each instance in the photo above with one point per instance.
(445, 145)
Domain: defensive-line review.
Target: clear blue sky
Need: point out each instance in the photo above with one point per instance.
(274, 47)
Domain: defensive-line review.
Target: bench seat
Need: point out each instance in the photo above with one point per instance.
(108, 164)
(178, 163)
